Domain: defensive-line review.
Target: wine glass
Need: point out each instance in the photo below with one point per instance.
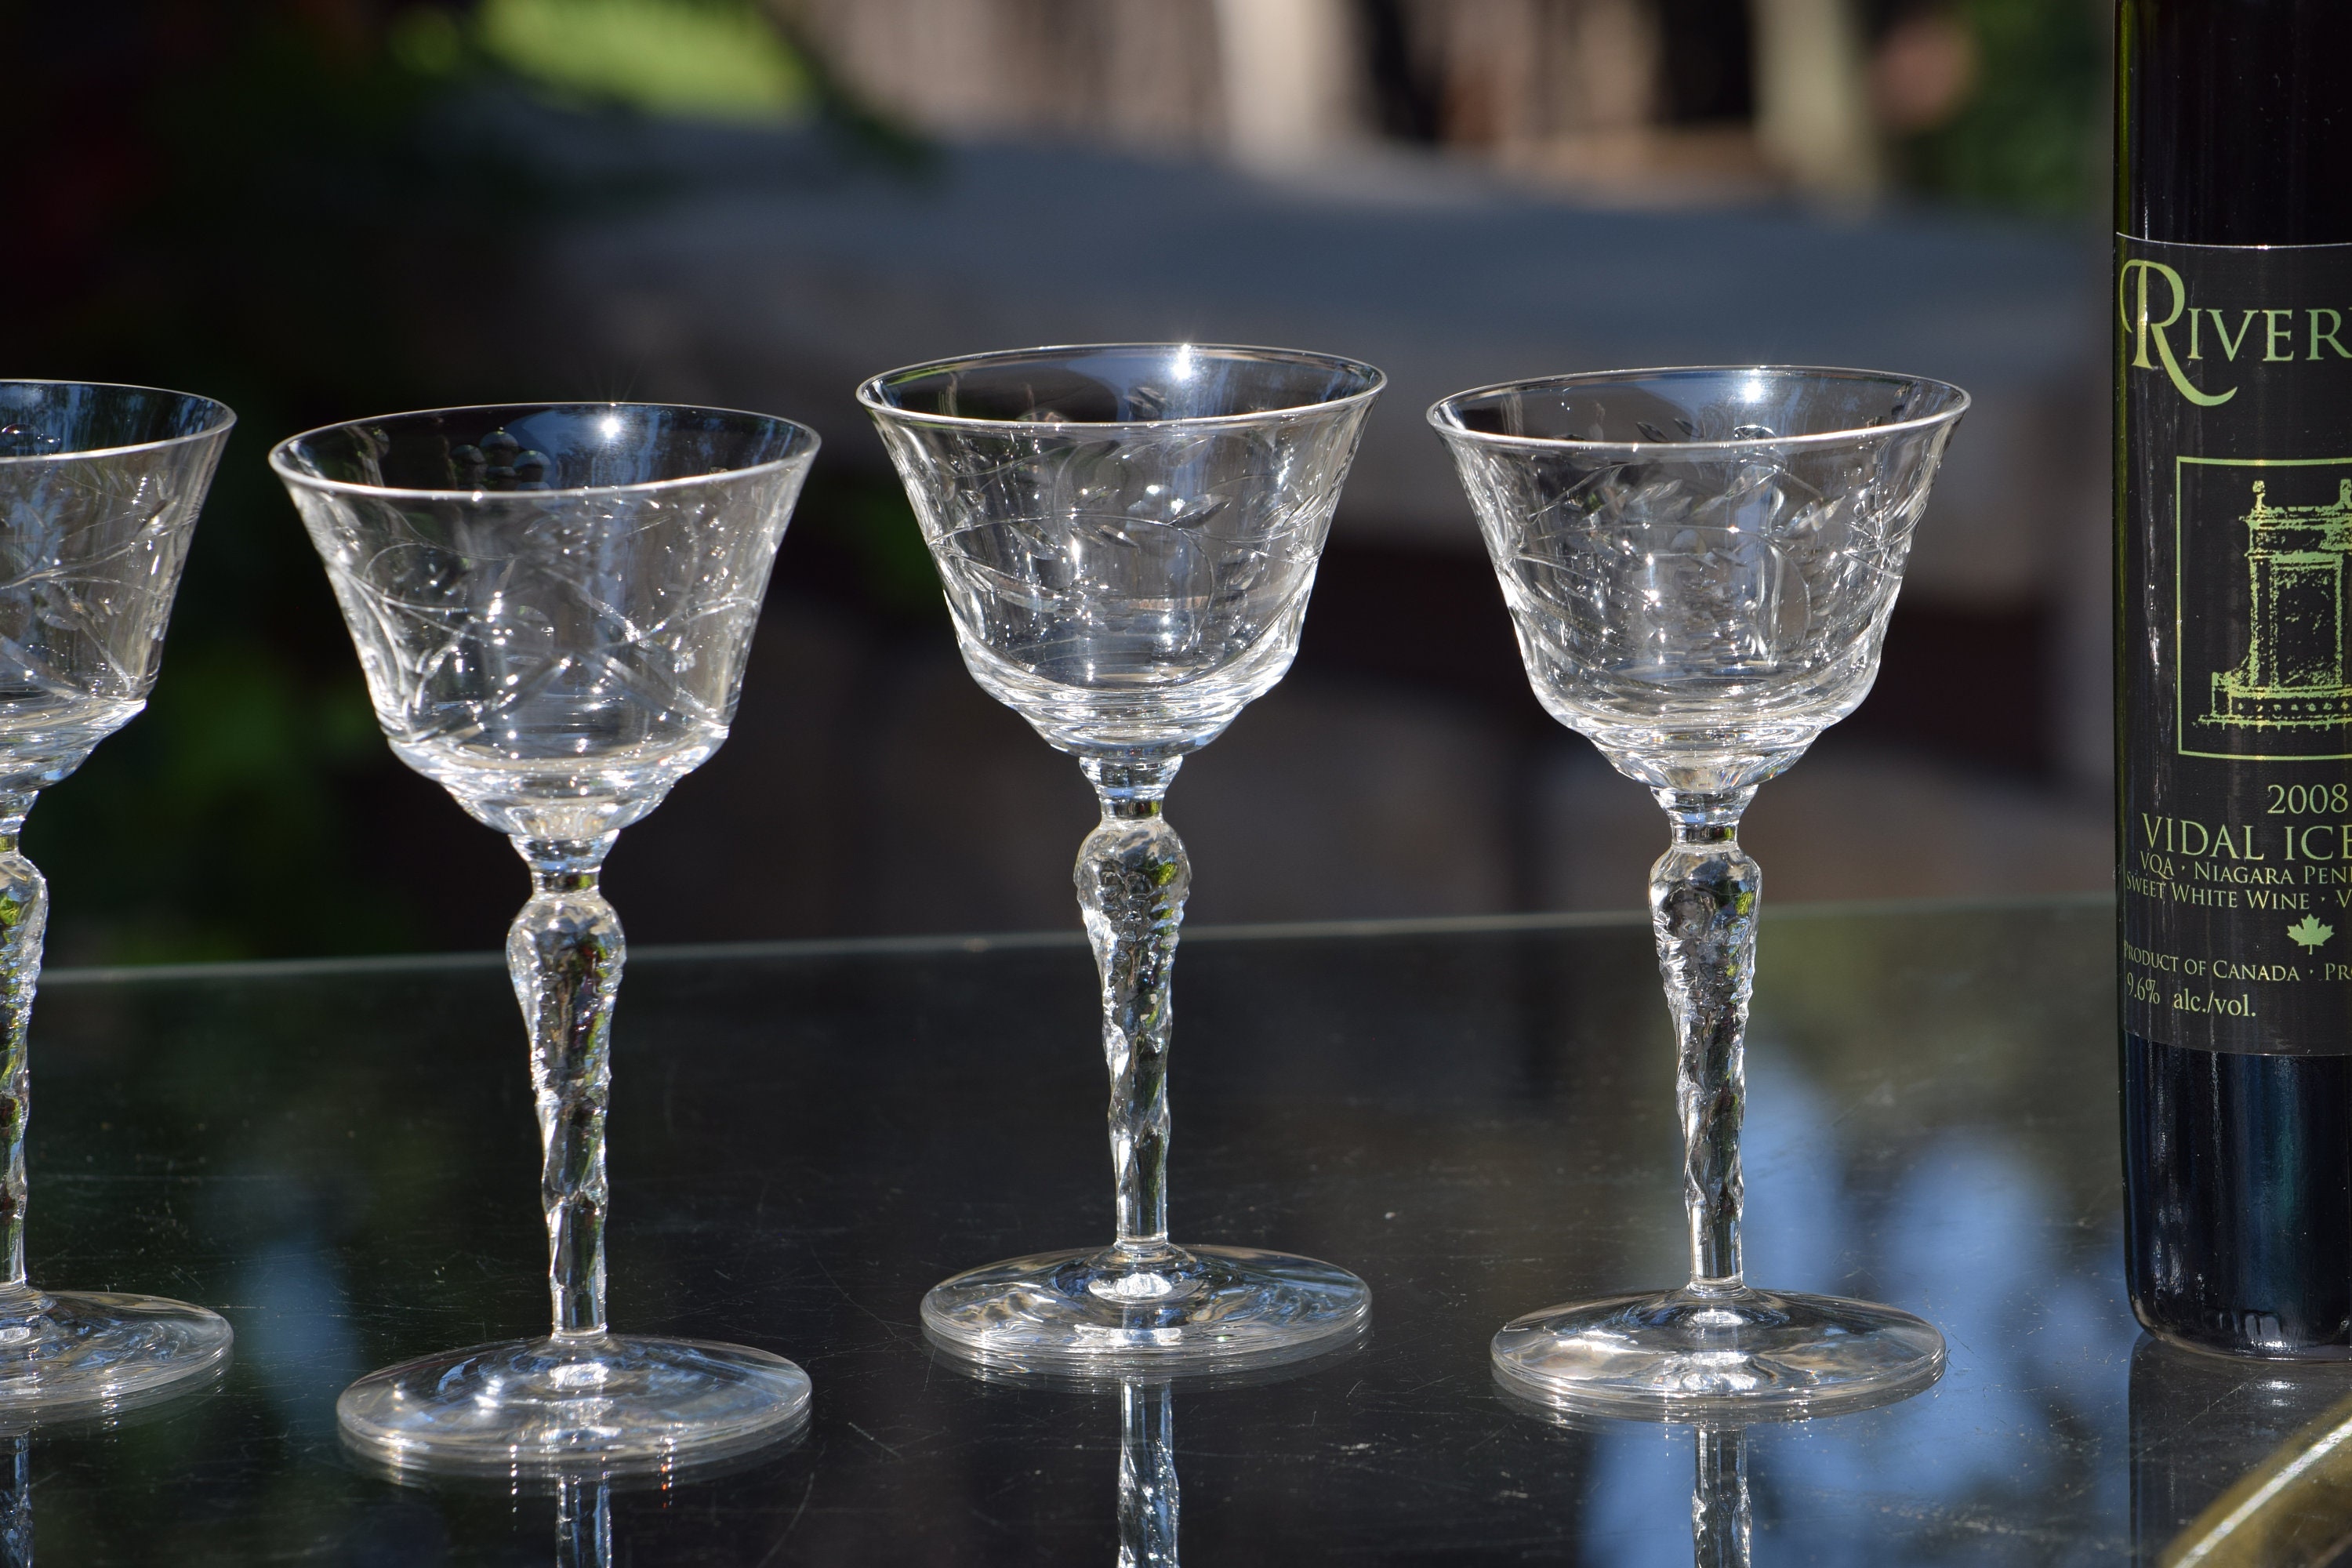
(1700, 564)
(100, 487)
(553, 606)
(1127, 534)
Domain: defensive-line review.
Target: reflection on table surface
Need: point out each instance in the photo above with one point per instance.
(1476, 1116)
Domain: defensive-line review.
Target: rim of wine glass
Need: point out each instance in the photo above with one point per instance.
(224, 419)
(867, 389)
(1444, 416)
(288, 471)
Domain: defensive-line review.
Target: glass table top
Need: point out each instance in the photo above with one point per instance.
(1476, 1116)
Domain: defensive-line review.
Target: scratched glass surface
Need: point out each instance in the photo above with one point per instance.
(342, 1157)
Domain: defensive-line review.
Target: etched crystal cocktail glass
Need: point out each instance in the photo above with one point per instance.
(553, 606)
(1700, 565)
(1127, 535)
(100, 487)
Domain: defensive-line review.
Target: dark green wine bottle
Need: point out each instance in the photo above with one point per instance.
(2233, 517)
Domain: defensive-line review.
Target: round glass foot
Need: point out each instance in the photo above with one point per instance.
(613, 1402)
(1188, 1309)
(70, 1351)
(1685, 1355)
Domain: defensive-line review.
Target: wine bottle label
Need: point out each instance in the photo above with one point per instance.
(2233, 377)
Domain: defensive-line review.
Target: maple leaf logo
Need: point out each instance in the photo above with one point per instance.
(2309, 932)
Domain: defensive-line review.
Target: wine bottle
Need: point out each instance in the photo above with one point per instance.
(2234, 515)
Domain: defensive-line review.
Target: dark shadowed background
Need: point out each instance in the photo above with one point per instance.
(320, 209)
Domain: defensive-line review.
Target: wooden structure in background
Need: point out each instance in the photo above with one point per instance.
(1138, 72)
(1580, 92)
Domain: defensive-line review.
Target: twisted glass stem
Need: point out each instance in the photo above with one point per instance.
(1148, 1495)
(1704, 893)
(563, 955)
(1720, 1519)
(23, 919)
(583, 1524)
(1132, 877)
(17, 1505)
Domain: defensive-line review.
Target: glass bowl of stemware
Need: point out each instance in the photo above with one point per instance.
(1127, 535)
(1700, 564)
(553, 605)
(100, 488)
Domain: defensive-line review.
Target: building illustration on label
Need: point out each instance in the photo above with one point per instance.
(2292, 675)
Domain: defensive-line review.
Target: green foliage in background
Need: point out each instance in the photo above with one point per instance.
(2030, 137)
(254, 225)
(861, 523)
(710, 59)
(273, 210)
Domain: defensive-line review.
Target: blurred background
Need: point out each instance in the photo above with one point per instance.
(320, 209)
